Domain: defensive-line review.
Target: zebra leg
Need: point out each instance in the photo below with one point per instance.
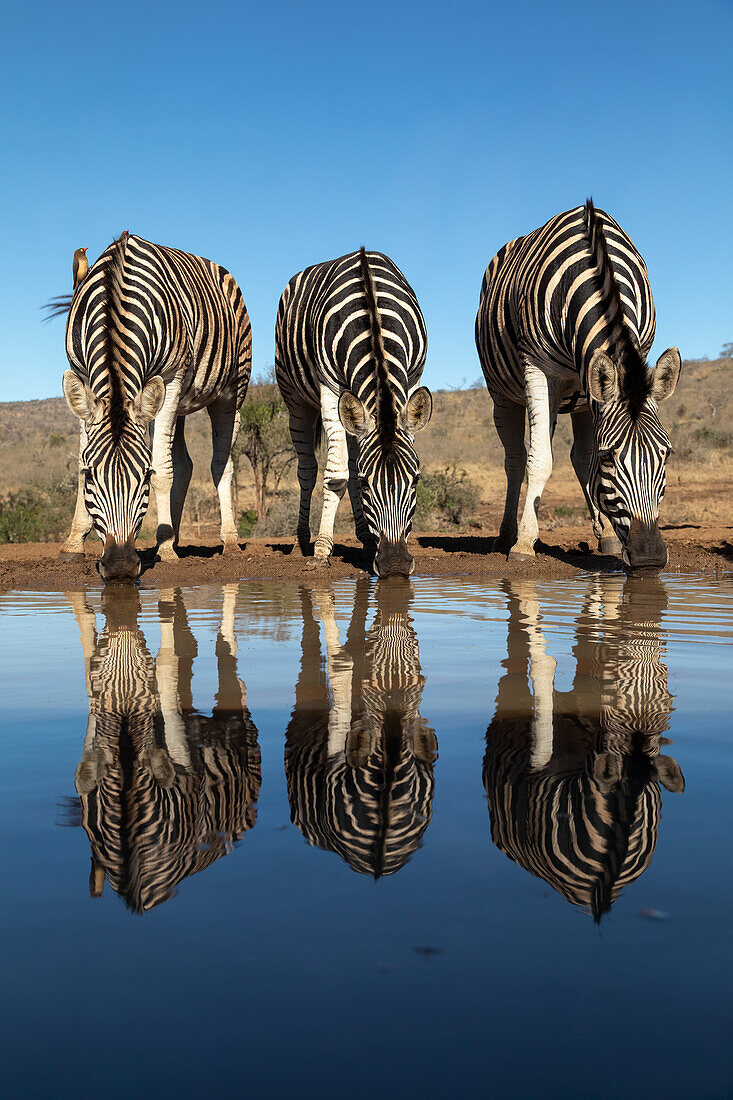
(81, 524)
(182, 470)
(224, 417)
(302, 422)
(363, 533)
(339, 668)
(336, 474)
(162, 477)
(543, 402)
(509, 421)
(581, 455)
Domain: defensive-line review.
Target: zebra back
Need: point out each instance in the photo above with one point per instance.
(325, 333)
(574, 286)
(146, 310)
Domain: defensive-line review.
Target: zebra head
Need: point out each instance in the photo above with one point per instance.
(116, 467)
(628, 468)
(389, 471)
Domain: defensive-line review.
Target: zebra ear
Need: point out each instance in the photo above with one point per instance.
(79, 397)
(603, 378)
(353, 415)
(669, 774)
(418, 410)
(606, 771)
(666, 374)
(149, 402)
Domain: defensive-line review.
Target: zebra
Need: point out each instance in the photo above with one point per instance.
(152, 335)
(163, 790)
(565, 322)
(359, 758)
(350, 347)
(572, 779)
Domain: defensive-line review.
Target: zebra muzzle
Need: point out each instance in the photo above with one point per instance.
(393, 558)
(119, 561)
(645, 548)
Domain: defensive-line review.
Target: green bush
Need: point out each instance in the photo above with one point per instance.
(446, 496)
(39, 513)
(247, 523)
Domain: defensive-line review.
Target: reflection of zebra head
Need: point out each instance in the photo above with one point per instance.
(116, 460)
(164, 791)
(573, 778)
(628, 465)
(359, 762)
(387, 459)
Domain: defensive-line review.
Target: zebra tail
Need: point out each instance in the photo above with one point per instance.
(386, 414)
(56, 307)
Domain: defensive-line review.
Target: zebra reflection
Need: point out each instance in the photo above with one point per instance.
(164, 791)
(359, 757)
(572, 778)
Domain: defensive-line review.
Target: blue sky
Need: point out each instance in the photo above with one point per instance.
(272, 136)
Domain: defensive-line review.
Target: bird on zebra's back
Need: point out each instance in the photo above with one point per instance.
(573, 778)
(164, 791)
(359, 757)
(80, 265)
(350, 346)
(152, 335)
(565, 322)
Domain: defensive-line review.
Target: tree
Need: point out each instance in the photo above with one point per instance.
(264, 438)
(726, 352)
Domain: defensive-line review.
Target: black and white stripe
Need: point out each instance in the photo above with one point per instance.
(350, 348)
(153, 334)
(565, 322)
(359, 757)
(164, 790)
(573, 778)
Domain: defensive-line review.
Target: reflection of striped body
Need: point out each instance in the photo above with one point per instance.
(573, 779)
(350, 350)
(565, 322)
(164, 791)
(359, 765)
(153, 334)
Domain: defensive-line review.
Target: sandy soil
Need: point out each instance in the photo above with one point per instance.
(564, 553)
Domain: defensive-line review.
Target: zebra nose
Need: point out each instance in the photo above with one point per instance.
(119, 562)
(393, 558)
(645, 547)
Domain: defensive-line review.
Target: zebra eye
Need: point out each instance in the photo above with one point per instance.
(670, 451)
(416, 478)
(148, 474)
(606, 457)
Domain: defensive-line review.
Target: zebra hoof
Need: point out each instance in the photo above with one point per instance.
(520, 555)
(232, 548)
(71, 555)
(167, 555)
(317, 562)
(610, 546)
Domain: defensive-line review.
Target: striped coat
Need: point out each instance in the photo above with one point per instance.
(153, 334)
(350, 347)
(565, 322)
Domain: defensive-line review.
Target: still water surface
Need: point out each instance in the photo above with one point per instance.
(391, 839)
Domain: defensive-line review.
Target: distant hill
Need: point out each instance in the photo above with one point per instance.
(38, 439)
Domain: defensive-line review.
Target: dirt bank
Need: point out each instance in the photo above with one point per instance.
(565, 553)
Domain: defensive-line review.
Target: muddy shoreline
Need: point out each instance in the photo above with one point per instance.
(564, 553)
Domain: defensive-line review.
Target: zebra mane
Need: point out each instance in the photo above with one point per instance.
(386, 413)
(635, 378)
(113, 282)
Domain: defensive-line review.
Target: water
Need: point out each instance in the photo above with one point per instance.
(430, 839)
